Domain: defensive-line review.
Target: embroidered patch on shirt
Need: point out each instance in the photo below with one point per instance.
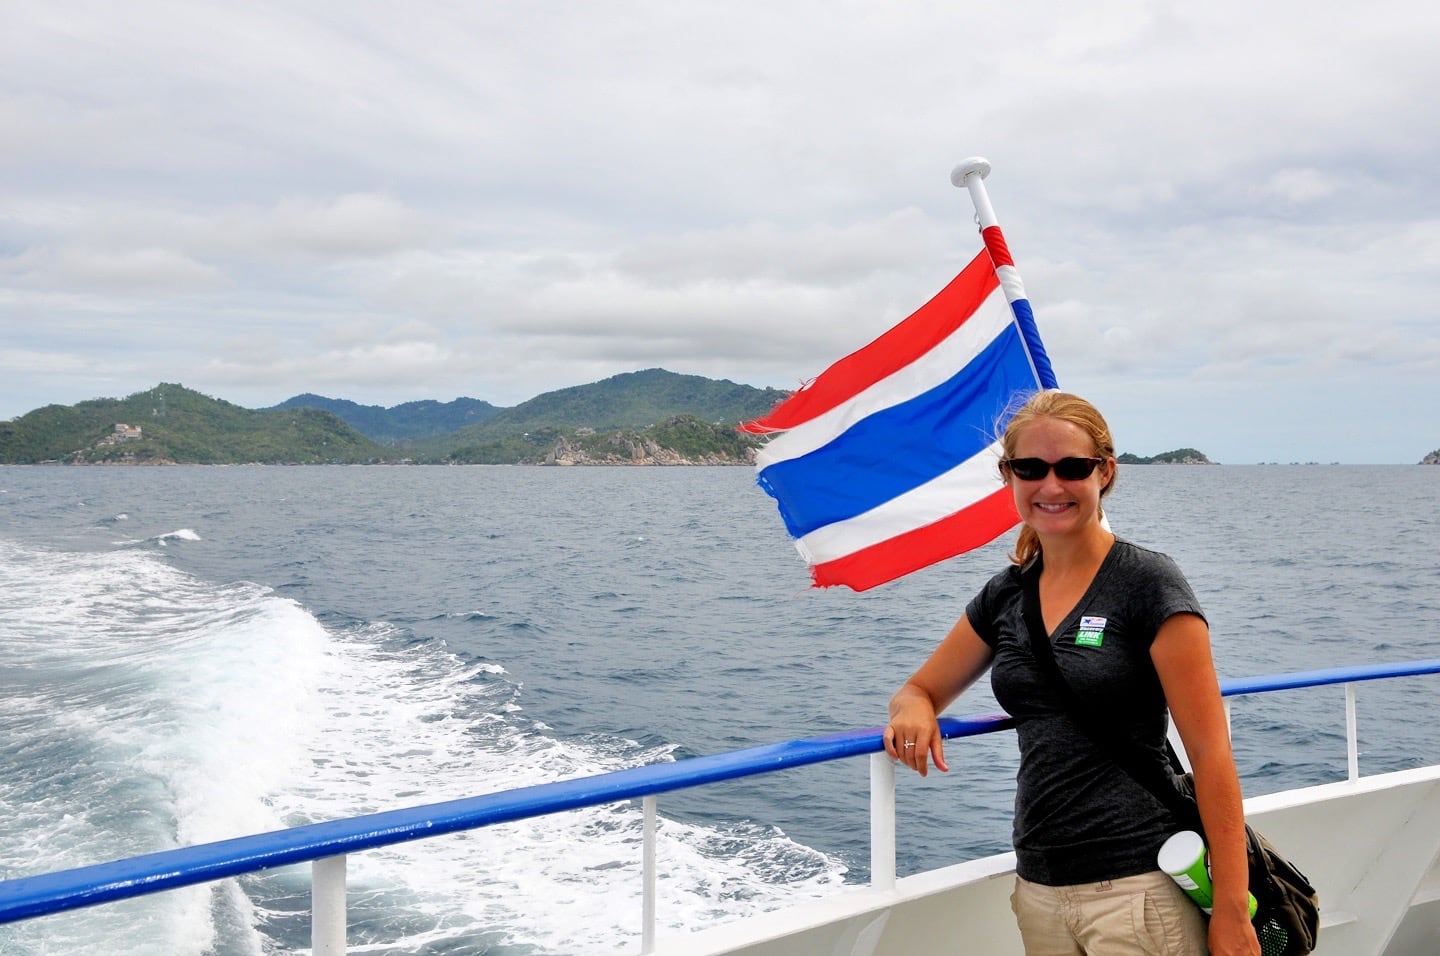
(1091, 633)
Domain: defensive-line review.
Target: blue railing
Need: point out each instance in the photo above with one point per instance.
(170, 869)
(33, 896)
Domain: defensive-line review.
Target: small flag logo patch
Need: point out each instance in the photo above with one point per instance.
(1092, 632)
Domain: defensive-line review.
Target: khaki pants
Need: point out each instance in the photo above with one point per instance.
(1145, 915)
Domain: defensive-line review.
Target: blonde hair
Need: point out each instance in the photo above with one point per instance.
(1065, 407)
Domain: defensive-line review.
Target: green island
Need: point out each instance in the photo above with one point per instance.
(1180, 456)
(651, 417)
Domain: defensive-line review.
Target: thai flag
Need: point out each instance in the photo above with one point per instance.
(887, 462)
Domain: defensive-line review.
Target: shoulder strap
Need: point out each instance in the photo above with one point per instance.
(1127, 758)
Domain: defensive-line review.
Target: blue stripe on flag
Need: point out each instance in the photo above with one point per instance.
(902, 447)
(1025, 317)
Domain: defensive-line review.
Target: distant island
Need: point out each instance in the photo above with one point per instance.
(1431, 459)
(1180, 456)
(651, 417)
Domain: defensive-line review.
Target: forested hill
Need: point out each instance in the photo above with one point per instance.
(627, 401)
(632, 400)
(648, 417)
(399, 423)
(637, 400)
(171, 423)
(1180, 456)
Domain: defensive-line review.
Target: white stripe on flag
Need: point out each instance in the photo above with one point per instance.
(1010, 283)
(938, 498)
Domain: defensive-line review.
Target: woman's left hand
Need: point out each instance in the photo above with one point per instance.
(913, 735)
(1233, 935)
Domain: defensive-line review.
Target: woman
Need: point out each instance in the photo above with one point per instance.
(1130, 640)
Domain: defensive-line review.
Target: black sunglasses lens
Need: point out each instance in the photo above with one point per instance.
(1074, 469)
(1029, 469)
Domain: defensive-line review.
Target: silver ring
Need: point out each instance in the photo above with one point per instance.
(909, 743)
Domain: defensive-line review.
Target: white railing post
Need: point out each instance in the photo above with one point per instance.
(882, 822)
(327, 906)
(1352, 738)
(647, 917)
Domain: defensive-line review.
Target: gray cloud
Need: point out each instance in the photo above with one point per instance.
(1211, 204)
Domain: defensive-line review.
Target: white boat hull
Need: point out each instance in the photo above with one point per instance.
(1370, 846)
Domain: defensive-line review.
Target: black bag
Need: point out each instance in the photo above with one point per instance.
(1287, 915)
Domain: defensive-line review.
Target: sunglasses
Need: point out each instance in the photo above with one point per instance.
(1066, 469)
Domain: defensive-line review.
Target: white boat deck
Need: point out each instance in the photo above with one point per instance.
(1371, 847)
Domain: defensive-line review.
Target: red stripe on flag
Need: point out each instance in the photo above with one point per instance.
(930, 325)
(995, 245)
(965, 530)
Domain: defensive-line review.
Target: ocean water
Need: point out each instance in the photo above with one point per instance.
(189, 654)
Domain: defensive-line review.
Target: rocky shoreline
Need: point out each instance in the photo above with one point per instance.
(634, 451)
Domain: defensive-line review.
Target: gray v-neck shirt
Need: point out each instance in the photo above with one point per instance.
(1079, 817)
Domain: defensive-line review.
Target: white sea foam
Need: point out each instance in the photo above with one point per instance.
(184, 534)
(194, 712)
(415, 726)
(160, 711)
(163, 540)
(515, 878)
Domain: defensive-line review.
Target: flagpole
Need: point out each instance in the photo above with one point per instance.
(970, 175)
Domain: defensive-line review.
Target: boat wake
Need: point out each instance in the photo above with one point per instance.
(152, 709)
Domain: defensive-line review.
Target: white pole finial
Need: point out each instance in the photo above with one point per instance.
(971, 175)
(972, 166)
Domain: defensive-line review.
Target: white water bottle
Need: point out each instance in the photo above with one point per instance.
(1186, 859)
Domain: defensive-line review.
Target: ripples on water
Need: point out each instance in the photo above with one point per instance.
(192, 653)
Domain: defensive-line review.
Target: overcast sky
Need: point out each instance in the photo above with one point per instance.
(1226, 214)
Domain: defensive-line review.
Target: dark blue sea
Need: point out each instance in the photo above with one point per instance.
(189, 654)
